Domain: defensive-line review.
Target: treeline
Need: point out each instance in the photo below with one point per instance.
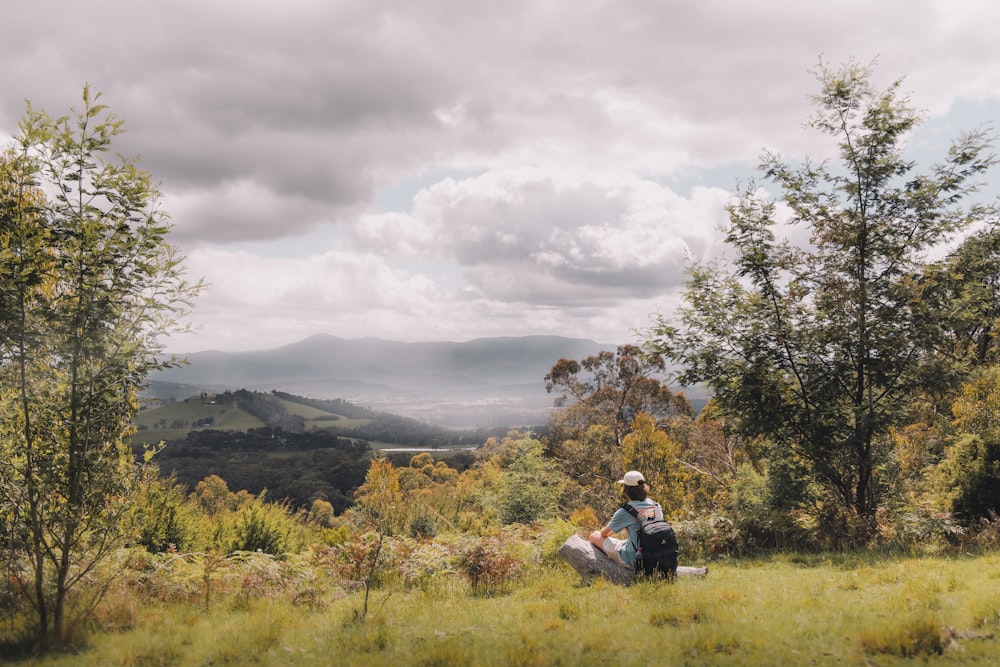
(264, 408)
(299, 464)
(296, 467)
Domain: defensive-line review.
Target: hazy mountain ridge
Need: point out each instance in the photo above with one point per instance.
(456, 383)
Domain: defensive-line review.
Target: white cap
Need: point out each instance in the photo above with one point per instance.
(632, 478)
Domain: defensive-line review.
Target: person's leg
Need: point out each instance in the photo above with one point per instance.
(610, 546)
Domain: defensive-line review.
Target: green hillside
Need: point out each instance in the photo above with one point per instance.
(320, 418)
(243, 411)
(175, 419)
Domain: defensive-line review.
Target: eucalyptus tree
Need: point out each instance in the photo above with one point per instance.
(597, 401)
(89, 288)
(819, 347)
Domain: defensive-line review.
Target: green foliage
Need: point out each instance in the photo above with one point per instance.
(969, 475)
(263, 527)
(422, 526)
(823, 350)
(529, 489)
(556, 532)
(89, 286)
(709, 538)
(972, 468)
(162, 518)
(322, 513)
(519, 481)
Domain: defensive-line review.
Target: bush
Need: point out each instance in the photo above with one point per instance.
(422, 563)
(913, 638)
(971, 472)
(367, 557)
(269, 528)
(490, 569)
(162, 518)
(422, 526)
(706, 537)
(554, 536)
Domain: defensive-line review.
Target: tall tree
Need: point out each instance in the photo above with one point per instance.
(89, 288)
(819, 348)
(598, 401)
(612, 388)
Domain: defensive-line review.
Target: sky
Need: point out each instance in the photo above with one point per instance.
(445, 170)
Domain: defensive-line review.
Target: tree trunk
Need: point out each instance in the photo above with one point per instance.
(590, 562)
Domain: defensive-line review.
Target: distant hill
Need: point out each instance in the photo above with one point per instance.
(480, 383)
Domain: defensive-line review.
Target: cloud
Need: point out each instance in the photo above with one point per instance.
(538, 236)
(550, 164)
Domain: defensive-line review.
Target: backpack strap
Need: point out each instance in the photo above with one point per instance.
(627, 506)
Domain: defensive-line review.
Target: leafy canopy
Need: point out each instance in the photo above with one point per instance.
(819, 347)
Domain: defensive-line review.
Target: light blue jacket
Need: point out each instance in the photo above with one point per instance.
(621, 519)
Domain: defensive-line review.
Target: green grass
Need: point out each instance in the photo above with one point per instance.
(156, 422)
(321, 418)
(783, 611)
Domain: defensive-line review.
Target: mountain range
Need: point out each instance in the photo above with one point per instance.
(483, 382)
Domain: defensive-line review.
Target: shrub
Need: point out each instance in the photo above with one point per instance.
(422, 526)
(913, 638)
(161, 516)
(706, 537)
(554, 536)
(423, 562)
(367, 557)
(490, 569)
(265, 527)
(986, 533)
(261, 576)
(924, 530)
(971, 471)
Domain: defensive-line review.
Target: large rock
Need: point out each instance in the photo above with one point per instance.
(590, 562)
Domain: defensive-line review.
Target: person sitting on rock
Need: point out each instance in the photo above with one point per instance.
(623, 552)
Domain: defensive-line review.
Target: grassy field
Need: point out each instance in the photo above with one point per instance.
(320, 418)
(820, 610)
(157, 423)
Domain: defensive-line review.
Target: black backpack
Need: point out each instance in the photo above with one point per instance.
(657, 548)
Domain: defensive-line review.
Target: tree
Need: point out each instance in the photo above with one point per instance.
(659, 457)
(819, 349)
(89, 287)
(968, 282)
(382, 506)
(599, 400)
(970, 471)
(530, 486)
(612, 388)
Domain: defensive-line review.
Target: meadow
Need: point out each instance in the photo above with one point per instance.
(862, 608)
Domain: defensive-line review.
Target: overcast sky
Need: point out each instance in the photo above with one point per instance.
(455, 169)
